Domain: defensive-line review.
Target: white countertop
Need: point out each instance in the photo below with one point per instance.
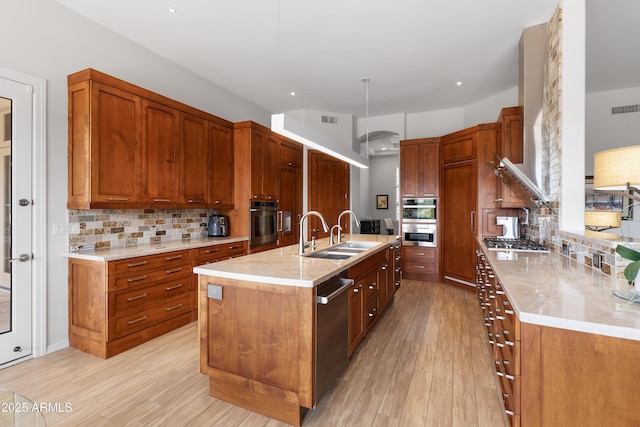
(556, 291)
(123, 252)
(283, 266)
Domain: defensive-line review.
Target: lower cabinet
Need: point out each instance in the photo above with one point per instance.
(420, 263)
(373, 290)
(116, 305)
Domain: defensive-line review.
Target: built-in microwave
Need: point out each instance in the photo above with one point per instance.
(419, 210)
(420, 234)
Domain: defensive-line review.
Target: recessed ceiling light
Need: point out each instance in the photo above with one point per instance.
(293, 93)
(459, 83)
(173, 10)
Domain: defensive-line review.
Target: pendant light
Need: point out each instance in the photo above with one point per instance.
(366, 80)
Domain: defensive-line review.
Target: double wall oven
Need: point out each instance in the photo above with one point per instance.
(419, 226)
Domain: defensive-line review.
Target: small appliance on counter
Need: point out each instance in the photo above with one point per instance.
(218, 225)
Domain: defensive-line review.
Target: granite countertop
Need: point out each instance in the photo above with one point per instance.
(123, 252)
(554, 290)
(283, 266)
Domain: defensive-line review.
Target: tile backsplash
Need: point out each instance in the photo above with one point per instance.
(103, 228)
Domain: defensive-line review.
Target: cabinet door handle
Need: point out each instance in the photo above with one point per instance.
(137, 297)
(136, 279)
(173, 308)
(131, 322)
(172, 258)
(171, 288)
(175, 270)
(473, 221)
(280, 220)
(138, 264)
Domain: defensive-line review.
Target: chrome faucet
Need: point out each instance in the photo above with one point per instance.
(331, 233)
(340, 217)
(324, 226)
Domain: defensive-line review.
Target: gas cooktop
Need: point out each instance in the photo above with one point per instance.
(519, 245)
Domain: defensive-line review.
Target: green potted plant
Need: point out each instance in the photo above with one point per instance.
(631, 270)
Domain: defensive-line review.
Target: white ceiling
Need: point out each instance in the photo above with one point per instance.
(414, 51)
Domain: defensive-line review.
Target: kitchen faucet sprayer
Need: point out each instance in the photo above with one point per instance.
(324, 226)
(340, 217)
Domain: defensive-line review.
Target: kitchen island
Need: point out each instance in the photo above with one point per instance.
(566, 349)
(257, 324)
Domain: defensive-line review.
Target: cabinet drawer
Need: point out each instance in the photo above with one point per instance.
(370, 264)
(151, 262)
(371, 287)
(219, 252)
(507, 393)
(419, 267)
(133, 301)
(170, 272)
(419, 253)
(151, 316)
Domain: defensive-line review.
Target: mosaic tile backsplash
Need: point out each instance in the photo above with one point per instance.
(103, 228)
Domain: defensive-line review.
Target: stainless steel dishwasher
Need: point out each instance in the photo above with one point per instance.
(332, 333)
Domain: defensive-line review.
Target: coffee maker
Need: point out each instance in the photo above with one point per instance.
(218, 225)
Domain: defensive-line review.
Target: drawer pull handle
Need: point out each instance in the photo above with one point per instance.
(509, 311)
(174, 307)
(210, 251)
(234, 247)
(505, 362)
(509, 377)
(171, 258)
(505, 395)
(119, 199)
(384, 267)
(138, 264)
(195, 200)
(500, 317)
(420, 253)
(131, 322)
(509, 343)
(170, 288)
(508, 412)
(136, 279)
(419, 266)
(175, 270)
(138, 297)
(372, 287)
(356, 290)
(162, 200)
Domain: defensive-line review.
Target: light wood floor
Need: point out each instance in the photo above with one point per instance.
(426, 363)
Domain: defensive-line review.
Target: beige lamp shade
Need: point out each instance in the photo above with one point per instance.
(614, 169)
(608, 219)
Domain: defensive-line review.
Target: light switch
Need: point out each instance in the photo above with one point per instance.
(214, 291)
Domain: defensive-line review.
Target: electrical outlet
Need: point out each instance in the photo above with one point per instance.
(62, 228)
(214, 291)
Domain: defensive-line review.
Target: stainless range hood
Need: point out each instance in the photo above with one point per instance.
(504, 168)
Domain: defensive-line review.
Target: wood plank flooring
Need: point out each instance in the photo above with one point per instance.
(425, 363)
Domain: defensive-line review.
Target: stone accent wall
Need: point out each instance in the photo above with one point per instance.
(103, 228)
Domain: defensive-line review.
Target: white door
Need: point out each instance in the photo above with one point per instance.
(15, 220)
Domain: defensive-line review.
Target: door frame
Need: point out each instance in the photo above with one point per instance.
(39, 226)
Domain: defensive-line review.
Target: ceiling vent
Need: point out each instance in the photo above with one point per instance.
(330, 119)
(626, 109)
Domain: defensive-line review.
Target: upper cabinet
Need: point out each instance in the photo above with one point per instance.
(132, 148)
(509, 140)
(264, 165)
(104, 146)
(420, 167)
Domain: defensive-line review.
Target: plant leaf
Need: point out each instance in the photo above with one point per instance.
(628, 253)
(631, 271)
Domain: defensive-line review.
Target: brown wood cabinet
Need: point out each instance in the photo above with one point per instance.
(116, 305)
(264, 164)
(509, 143)
(221, 146)
(420, 167)
(370, 280)
(420, 263)
(290, 180)
(131, 148)
(328, 191)
(553, 376)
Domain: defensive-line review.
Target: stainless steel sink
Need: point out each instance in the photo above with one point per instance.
(330, 254)
(342, 251)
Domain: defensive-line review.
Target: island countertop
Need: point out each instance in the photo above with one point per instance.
(283, 266)
(554, 290)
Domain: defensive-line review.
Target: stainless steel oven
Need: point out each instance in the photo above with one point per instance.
(263, 220)
(419, 234)
(419, 210)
